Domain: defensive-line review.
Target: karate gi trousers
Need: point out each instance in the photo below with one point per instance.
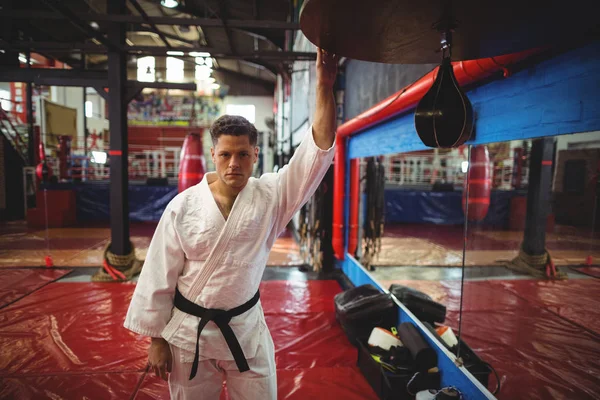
(260, 383)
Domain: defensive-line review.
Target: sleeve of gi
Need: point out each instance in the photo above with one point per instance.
(152, 301)
(299, 179)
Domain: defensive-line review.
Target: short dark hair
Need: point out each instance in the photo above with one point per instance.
(233, 125)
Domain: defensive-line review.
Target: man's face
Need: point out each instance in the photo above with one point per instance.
(234, 159)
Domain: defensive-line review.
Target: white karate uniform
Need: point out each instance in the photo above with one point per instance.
(218, 263)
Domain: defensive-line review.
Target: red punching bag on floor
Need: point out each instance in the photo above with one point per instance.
(192, 165)
(480, 184)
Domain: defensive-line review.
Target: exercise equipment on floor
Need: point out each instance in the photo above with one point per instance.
(395, 359)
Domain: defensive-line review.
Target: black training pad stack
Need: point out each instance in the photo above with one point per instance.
(363, 308)
(420, 304)
(425, 357)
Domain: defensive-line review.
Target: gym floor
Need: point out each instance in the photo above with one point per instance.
(83, 246)
(525, 328)
(61, 336)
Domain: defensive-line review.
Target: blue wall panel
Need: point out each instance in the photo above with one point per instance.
(555, 97)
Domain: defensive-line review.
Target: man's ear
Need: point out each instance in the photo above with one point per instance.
(256, 151)
(212, 153)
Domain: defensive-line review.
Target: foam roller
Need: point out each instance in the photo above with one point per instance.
(425, 357)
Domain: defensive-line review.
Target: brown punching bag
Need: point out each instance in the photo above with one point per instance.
(480, 184)
(192, 165)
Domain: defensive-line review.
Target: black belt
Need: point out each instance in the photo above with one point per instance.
(221, 318)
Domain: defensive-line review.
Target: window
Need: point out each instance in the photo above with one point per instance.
(247, 111)
(89, 113)
(174, 69)
(5, 100)
(146, 69)
(203, 72)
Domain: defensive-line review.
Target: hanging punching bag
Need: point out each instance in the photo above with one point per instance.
(43, 170)
(192, 165)
(444, 116)
(480, 184)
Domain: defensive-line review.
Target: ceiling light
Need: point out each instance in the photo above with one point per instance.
(215, 86)
(169, 3)
(94, 25)
(199, 54)
(175, 53)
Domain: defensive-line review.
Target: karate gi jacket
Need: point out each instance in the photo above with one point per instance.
(219, 263)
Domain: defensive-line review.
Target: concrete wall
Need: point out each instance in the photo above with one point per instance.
(369, 83)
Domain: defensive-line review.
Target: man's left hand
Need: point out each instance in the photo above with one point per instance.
(326, 68)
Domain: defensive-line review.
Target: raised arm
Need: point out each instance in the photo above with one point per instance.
(297, 181)
(324, 118)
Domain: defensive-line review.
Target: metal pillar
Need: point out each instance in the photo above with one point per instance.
(117, 86)
(538, 196)
(29, 105)
(85, 130)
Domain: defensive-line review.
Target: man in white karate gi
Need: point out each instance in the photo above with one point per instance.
(197, 296)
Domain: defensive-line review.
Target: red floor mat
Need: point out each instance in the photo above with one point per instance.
(70, 387)
(301, 318)
(70, 327)
(294, 297)
(537, 354)
(60, 342)
(323, 383)
(310, 340)
(19, 282)
(590, 271)
(574, 299)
